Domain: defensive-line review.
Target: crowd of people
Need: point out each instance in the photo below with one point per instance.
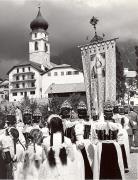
(65, 146)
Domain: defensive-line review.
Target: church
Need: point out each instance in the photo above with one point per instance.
(38, 77)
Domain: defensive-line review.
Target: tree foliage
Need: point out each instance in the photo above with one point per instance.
(55, 104)
(32, 104)
(120, 78)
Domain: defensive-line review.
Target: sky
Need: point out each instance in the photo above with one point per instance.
(68, 24)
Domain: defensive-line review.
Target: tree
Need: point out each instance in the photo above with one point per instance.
(55, 104)
(74, 99)
(32, 104)
(136, 53)
(120, 78)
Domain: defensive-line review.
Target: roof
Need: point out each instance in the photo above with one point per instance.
(38, 66)
(65, 88)
(5, 82)
(39, 22)
(55, 66)
(28, 63)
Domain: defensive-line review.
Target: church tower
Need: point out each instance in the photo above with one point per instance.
(39, 47)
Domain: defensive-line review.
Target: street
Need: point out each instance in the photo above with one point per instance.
(133, 174)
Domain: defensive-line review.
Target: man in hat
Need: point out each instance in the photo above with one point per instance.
(11, 117)
(82, 114)
(65, 110)
(65, 113)
(27, 119)
(82, 132)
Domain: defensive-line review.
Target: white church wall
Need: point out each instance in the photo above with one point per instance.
(56, 76)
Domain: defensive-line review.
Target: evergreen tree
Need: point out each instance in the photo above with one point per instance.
(120, 78)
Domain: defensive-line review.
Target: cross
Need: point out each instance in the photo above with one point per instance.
(93, 22)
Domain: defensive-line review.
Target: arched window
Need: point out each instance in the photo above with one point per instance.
(36, 46)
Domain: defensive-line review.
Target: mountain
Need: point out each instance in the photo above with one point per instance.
(127, 50)
(72, 55)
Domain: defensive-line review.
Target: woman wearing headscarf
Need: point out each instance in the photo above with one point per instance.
(59, 161)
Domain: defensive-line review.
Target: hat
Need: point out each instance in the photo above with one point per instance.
(81, 105)
(27, 110)
(121, 110)
(37, 112)
(108, 106)
(66, 104)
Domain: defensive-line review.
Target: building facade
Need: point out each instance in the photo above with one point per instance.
(4, 90)
(35, 76)
(131, 95)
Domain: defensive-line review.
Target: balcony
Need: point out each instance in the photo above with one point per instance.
(21, 81)
(22, 89)
(23, 73)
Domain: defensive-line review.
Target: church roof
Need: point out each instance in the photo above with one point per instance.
(56, 66)
(65, 88)
(39, 22)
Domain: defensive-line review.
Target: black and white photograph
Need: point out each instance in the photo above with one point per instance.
(68, 89)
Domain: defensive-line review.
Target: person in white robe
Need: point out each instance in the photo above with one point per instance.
(32, 159)
(59, 163)
(27, 120)
(5, 156)
(108, 160)
(123, 139)
(17, 150)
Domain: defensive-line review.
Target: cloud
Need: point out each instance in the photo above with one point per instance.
(68, 23)
(6, 65)
(17, 2)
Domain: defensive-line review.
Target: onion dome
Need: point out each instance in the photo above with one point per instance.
(27, 110)
(66, 104)
(37, 112)
(39, 22)
(81, 105)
